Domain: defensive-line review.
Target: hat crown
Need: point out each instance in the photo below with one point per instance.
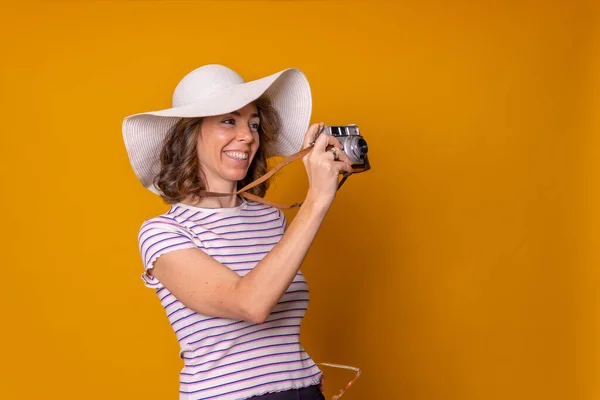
(203, 81)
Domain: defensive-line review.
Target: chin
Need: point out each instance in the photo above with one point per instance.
(236, 176)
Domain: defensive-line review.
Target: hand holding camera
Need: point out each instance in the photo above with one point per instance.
(353, 144)
(337, 150)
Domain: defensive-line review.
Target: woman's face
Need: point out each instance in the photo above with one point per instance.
(226, 147)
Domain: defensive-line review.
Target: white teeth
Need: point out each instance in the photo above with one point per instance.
(236, 155)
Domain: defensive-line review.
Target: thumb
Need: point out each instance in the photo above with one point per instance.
(311, 134)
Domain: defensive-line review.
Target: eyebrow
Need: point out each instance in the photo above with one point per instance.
(253, 115)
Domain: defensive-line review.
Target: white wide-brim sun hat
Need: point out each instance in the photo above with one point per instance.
(215, 90)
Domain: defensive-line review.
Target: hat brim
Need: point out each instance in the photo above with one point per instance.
(288, 90)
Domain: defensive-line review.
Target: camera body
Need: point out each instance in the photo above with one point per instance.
(354, 145)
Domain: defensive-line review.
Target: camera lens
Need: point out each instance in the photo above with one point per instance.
(362, 147)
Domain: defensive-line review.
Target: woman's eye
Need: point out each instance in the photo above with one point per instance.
(254, 126)
(230, 121)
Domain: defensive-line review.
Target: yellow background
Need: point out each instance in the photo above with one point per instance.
(463, 266)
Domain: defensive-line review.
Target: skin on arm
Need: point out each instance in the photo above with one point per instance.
(211, 288)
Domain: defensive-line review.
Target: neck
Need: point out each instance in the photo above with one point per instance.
(216, 202)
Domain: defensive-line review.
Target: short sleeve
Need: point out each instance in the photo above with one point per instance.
(158, 236)
(282, 220)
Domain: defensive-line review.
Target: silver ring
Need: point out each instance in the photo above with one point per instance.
(335, 154)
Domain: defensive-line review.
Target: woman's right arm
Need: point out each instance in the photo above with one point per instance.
(210, 288)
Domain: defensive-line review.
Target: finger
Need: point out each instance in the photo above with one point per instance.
(343, 157)
(333, 141)
(344, 166)
(324, 141)
(311, 133)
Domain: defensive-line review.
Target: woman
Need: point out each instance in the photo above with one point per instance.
(226, 269)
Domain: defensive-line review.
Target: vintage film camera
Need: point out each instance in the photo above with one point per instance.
(355, 146)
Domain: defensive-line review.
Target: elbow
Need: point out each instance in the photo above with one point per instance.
(256, 315)
(252, 308)
(257, 319)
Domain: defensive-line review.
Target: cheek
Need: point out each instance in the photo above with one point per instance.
(256, 141)
(214, 144)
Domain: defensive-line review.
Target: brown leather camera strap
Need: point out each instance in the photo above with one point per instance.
(244, 191)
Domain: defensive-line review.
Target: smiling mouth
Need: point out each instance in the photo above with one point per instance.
(236, 155)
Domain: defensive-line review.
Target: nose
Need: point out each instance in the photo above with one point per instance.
(244, 134)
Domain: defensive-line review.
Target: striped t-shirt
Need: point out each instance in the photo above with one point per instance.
(229, 359)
